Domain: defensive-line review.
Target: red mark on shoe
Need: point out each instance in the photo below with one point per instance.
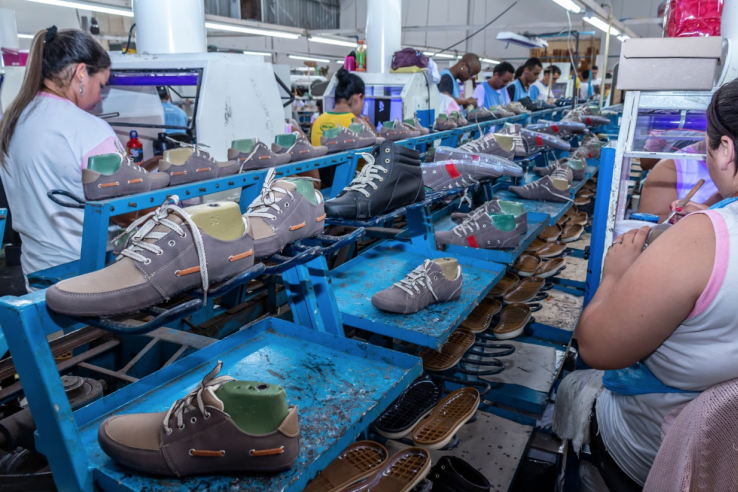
(475, 158)
(555, 128)
(588, 120)
(451, 168)
(539, 140)
(472, 240)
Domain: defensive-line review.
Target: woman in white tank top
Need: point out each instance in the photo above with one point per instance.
(671, 308)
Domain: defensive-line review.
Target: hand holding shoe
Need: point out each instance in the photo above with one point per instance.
(624, 252)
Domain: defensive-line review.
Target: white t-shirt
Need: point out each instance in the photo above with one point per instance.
(49, 149)
(542, 90)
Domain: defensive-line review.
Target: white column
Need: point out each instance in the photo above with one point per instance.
(8, 30)
(383, 33)
(170, 26)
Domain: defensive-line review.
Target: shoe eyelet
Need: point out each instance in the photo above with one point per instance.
(387, 150)
(193, 419)
(169, 431)
(207, 416)
(147, 261)
(183, 235)
(387, 161)
(385, 172)
(190, 452)
(172, 243)
(160, 253)
(287, 204)
(443, 467)
(181, 427)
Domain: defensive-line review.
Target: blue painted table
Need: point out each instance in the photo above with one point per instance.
(339, 385)
(378, 268)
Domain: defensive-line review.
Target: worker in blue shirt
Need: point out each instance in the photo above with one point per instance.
(523, 85)
(492, 91)
(173, 115)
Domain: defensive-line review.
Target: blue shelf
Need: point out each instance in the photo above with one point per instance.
(537, 210)
(504, 256)
(378, 268)
(339, 385)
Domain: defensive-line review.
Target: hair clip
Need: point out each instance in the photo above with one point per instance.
(50, 33)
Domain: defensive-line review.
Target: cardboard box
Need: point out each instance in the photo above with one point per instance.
(663, 64)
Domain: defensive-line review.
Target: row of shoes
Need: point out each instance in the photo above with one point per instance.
(172, 249)
(497, 224)
(586, 114)
(359, 134)
(449, 121)
(507, 308)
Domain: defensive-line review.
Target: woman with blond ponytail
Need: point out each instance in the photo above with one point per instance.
(46, 136)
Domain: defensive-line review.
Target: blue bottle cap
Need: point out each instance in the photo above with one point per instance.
(134, 134)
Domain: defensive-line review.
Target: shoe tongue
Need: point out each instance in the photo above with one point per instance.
(210, 400)
(432, 266)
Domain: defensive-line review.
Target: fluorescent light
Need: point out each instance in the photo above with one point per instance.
(309, 58)
(438, 55)
(95, 7)
(569, 5)
(25, 36)
(341, 61)
(337, 42)
(602, 25)
(623, 37)
(219, 26)
(257, 53)
(490, 60)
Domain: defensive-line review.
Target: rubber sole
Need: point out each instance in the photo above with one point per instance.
(447, 418)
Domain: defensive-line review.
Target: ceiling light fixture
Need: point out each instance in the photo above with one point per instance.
(257, 53)
(340, 61)
(309, 58)
(490, 60)
(337, 42)
(623, 37)
(25, 36)
(95, 7)
(601, 25)
(219, 26)
(569, 5)
(438, 55)
(527, 41)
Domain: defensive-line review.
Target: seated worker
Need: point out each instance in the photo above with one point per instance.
(463, 70)
(492, 91)
(173, 115)
(523, 85)
(545, 85)
(672, 179)
(671, 308)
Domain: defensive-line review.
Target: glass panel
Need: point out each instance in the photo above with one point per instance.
(670, 131)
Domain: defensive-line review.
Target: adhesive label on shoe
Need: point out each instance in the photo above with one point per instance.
(589, 120)
(452, 171)
(555, 128)
(539, 140)
(475, 158)
(472, 240)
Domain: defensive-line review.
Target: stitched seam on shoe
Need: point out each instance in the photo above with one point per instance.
(197, 433)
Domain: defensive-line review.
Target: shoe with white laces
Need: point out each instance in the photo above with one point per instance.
(297, 146)
(499, 207)
(483, 230)
(112, 175)
(252, 153)
(516, 108)
(173, 250)
(391, 178)
(286, 211)
(498, 144)
(478, 115)
(340, 138)
(398, 130)
(458, 118)
(190, 163)
(547, 188)
(453, 174)
(500, 112)
(414, 123)
(444, 122)
(558, 128)
(434, 281)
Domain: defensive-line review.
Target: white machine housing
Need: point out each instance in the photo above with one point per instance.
(408, 93)
(238, 98)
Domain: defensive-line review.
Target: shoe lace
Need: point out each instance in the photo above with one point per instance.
(470, 224)
(125, 159)
(196, 148)
(268, 199)
(367, 176)
(209, 383)
(138, 244)
(412, 280)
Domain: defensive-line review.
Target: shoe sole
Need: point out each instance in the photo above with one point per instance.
(398, 468)
(573, 238)
(365, 453)
(552, 272)
(480, 319)
(447, 418)
(410, 429)
(517, 332)
(451, 351)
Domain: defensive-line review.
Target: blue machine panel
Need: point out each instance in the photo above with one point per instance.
(378, 268)
(339, 385)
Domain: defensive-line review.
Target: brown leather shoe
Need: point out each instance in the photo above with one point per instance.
(221, 426)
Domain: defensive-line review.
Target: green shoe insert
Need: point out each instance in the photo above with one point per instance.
(576, 164)
(305, 188)
(105, 164)
(286, 140)
(442, 116)
(255, 407)
(503, 222)
(244, 145)
(511, 208)
(455, 114)
(331, 133)
(390, 125)
(221, 220)
(409, 121)
(357, 127)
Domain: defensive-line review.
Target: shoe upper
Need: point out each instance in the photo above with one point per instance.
(254, 154)
(452, 474)
(443, 122)
(301, 149)
(342, 138)
(168, 254)
(451, 174)
(491, 144)
(423, 286)
(398, 130)
(128, 179)
(546, 188)
(482, 230)
(190, 163)
(499, 207)
(287, 210)
(391, 178)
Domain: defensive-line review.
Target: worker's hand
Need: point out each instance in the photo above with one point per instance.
(682, 212)
(624, 252)
(470, 102)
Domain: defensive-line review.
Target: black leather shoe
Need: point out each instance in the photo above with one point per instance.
(452, 474)
(390, 179)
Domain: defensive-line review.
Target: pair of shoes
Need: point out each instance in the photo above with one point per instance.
(221, 426)
(398, 130)
(576, 166)
(366, 466)
(517, 108)
(414, 123)
(458, 118)
(500, 112)
(494, 225)
(528, 142)
(444, 122)
(585, 114)
(391, 178)
(432, 282)
(292, 147)
(548, 188)
(173, 250)
(531, 265)
(496, 165)
(356, 136)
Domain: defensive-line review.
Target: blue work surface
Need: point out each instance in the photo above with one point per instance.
(339, 385)
(504, 256)
(378, 268)
(537, 209)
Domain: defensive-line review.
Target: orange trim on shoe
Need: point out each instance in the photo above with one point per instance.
(179, 173)
(133, 181)
(298, 226)
(187, 271)
(207, 454)
(107, 185)
(241, 256)
(266, 452)
(265, 157)
(203, 169)
(321, 218)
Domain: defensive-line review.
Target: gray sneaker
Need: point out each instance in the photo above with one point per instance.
(547, 189)
(173, 250)
(483, 230)
(458, 118)
(492, 143)
(558, 128)
(287, 210)
(252, 153)
(452, 174)
(190, 163)
(112, 175)
(298, 147)
(414, 123)
(397, 130)
(578, 168)
(528, 142)
(366, 130)
(516, 108)
(500, 112)
(433, 281)
(340, 138)
(499, 207)
(443, 123)
(478, 115)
